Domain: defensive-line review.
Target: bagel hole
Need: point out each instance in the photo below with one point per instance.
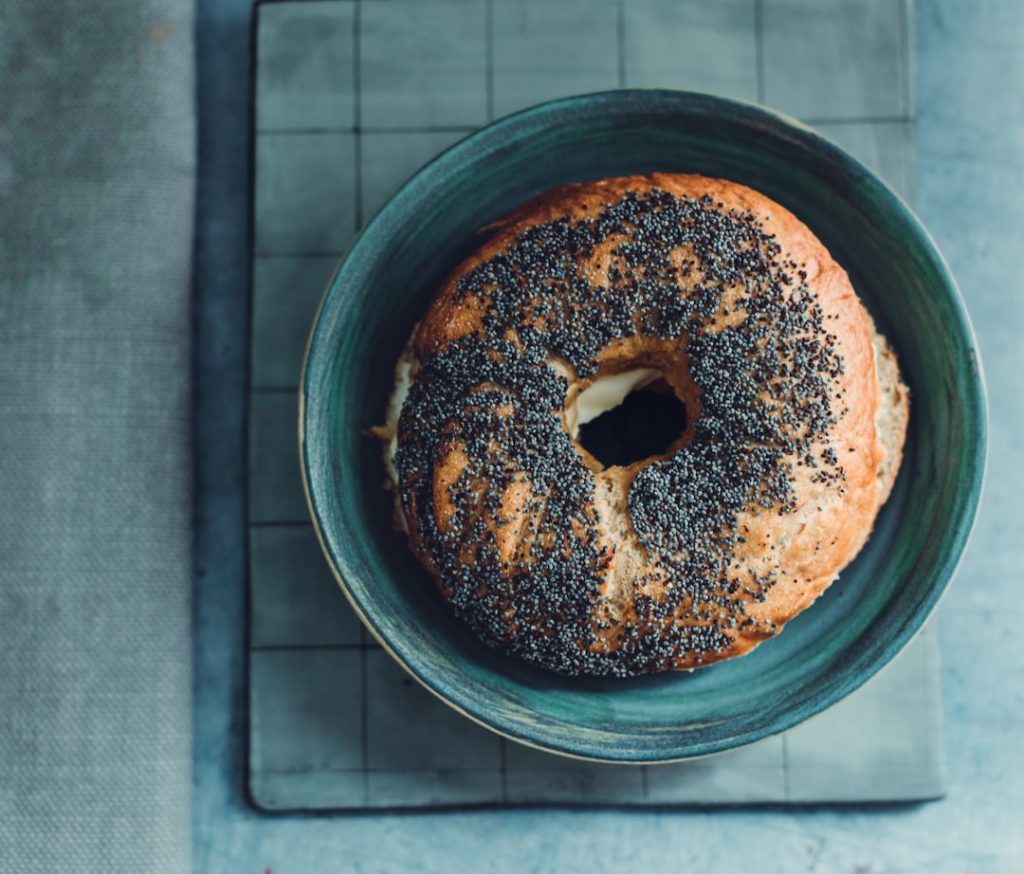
(642, 425)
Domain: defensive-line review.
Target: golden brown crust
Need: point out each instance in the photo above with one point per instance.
(805, 548)
(893, 413)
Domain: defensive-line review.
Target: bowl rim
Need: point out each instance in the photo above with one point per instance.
(976, 433)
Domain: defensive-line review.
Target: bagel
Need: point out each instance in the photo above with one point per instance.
(795, 420)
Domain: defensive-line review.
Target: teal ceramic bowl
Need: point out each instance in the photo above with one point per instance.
(394, 268)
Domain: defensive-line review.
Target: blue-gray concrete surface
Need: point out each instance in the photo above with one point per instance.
(970, 193)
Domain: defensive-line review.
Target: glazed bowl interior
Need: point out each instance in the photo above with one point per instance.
(397, 264)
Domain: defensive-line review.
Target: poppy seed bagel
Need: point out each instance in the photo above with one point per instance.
(795, 421)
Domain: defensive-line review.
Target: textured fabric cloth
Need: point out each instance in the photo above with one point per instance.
(96, 187)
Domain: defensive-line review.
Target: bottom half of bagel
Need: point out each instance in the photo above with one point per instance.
(615, 607)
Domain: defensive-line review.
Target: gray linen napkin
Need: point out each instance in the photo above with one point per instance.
(96, 207)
